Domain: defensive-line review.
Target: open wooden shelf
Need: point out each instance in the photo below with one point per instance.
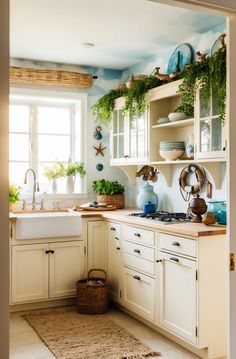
(174, 124)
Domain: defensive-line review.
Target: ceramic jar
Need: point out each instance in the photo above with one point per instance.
(149, 207)
(146, 195)
(222, 214)
(189, 149)
(214, 207)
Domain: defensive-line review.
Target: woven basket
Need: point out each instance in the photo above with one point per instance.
(116, 200)
(92, 294)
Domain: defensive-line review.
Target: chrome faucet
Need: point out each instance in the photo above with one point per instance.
(35, 185)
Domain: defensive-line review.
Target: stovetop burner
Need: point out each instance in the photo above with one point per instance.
(165, 217)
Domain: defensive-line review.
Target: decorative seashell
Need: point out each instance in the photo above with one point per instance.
(209, 218)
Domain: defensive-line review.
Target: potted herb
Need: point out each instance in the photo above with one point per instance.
(109, 192)
(14, 195)
(54, 172)
(71, 170)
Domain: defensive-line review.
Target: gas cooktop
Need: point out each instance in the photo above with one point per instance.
(165, 217)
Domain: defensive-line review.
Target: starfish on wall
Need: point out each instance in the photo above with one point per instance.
(99, 149)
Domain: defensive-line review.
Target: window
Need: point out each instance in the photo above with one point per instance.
(44, 128)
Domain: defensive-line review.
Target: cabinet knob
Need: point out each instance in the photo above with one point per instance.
(136, 250)
(137, 234)
(112, 228)
(117, 238)
(51, 251)
(177, 244)
(136, 277)
(159, 261)
(126, 156)
(47, 251)
(118, 248)
(174, 259)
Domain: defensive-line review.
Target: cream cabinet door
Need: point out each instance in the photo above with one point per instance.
(114, 263)
(139, 293)
(97, 245)
(178, 296)
(29, 275)
(66, 266)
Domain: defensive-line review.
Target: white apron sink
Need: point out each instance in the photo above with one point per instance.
(47, 225)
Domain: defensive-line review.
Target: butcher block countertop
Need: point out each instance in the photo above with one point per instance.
(188, 229)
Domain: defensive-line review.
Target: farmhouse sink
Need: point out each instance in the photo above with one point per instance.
(47, 224)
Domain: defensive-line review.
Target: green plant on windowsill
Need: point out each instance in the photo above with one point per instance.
(55, 171)
(14, 194)
(74, 168)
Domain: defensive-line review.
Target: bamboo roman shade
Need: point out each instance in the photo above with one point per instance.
(29, 76)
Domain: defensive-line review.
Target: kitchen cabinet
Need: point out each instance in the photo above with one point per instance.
(128, 139)
(138, 254)
(210, 132)
(97, 245)
(46, 270)
(114, 262)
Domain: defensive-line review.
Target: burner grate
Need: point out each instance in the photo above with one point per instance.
(162, 216)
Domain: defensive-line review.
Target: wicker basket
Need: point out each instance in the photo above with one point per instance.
(92, 294)
(116, 200)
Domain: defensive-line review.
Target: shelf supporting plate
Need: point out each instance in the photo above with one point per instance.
(214, 168)
(130, 172)
(166, 171)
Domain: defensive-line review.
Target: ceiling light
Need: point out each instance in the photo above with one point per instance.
(87, 44)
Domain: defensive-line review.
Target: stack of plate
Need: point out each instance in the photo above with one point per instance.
(176, 116)
(162, 120)
(172, 150)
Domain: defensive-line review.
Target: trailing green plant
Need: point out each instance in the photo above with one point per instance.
(136, 96)
(103, 108)
(107, 187)
(56, 170)
(14, 194)
(74, 168)
(210, 75)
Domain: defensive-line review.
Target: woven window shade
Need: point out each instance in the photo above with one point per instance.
(20, 75)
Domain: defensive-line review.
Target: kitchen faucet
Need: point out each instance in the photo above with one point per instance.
(35, 186)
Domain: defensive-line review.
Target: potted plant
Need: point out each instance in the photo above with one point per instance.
(71, 170)
(109, 192)
(14, 195)
(54, 172)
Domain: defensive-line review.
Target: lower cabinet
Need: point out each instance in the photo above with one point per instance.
(178, 295)
(46, 270)
(97, 245)
(139, 293)
(114, 262)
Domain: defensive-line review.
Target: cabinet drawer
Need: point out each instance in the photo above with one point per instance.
(139, 264)
(139, 293)
(178, 244)
(139, 251)
(139, 235)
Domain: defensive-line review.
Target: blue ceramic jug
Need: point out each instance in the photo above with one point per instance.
(146, 195)
(214, 207)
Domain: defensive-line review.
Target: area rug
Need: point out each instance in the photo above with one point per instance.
(70, 335)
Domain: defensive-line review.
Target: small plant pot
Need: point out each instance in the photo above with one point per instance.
(116, 200)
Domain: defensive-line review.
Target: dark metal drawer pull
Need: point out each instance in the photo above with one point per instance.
(136, 250)
(159, 260)
(177, 244)
(174, 259)
(112, 229)
(52, 251)
(118, 248)
(47, 251)
(137, 234)
(117, 238)
(136, 277)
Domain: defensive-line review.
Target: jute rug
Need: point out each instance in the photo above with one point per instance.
(70, 335)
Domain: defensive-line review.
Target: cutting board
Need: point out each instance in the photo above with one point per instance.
(87, 208)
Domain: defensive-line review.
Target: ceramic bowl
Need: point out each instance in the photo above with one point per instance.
(162, 120)
(176, 116)
(172, 145)
(171, 155)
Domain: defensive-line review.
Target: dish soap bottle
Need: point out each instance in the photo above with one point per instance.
(146, 195)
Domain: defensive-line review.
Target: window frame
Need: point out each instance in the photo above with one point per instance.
(42, 96)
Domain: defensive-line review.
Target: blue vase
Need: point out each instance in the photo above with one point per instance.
(214, 207)
(222, 214)
(146, 195)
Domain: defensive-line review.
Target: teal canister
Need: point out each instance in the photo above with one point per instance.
(214, 207)
(222, 214)
(146, 195)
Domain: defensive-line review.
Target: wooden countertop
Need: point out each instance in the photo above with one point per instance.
(188, 229)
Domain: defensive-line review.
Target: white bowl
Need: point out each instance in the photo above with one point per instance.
(176, 116)
(171, 155)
